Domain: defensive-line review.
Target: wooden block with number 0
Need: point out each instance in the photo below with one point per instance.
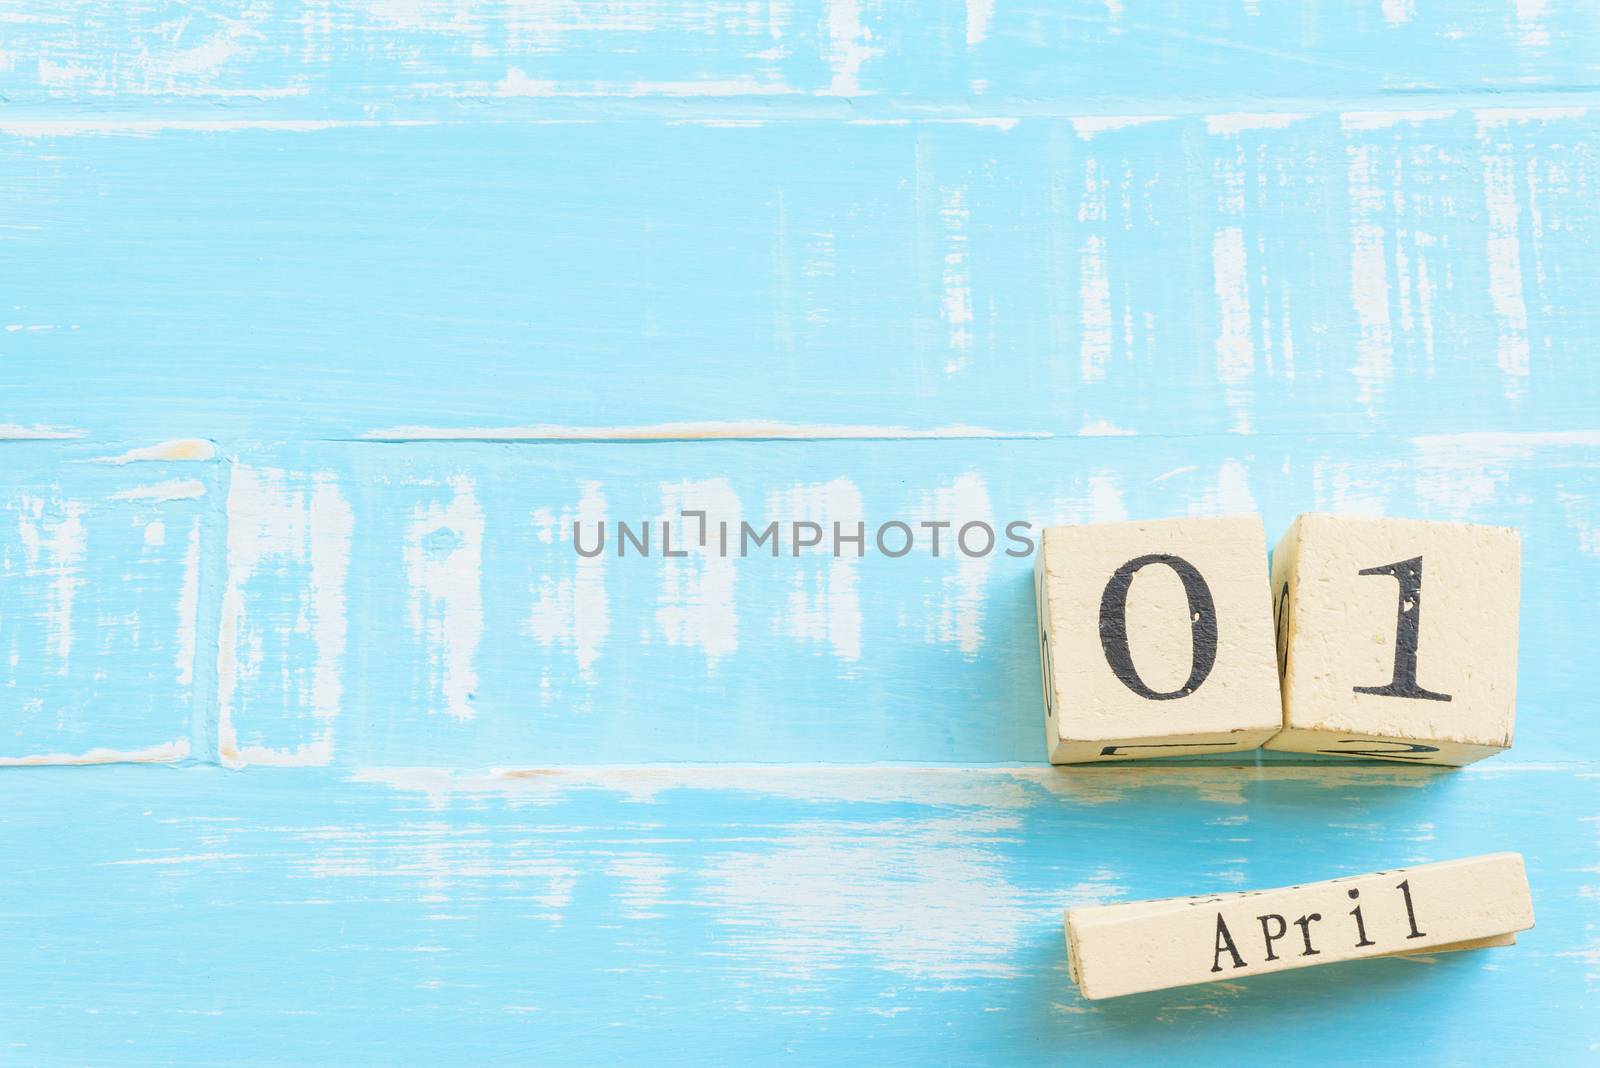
(1397, 638)
(1156, 639)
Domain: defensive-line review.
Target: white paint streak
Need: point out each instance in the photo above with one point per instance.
(1425, 291)
(943, 786)
(53, 543)
(1494, 118)
(1510, 442)
(186, 858)
(444, 566)
(189, 609)
(1399, 12)
(1531, 30)
(956, 306)
(715, 87)
(1345, 488)
(644, 879)
(1104, 501)
(1237, 122)
(1004, 123)
(152, 127)
(1459, 474)
(1086, 127)
(1504, 251)
(647, 784)
(1094, 309)
(175, 489)
(1094, 287)
(1101, 504)
(824, 603)
(517, 83)
(261, 523)
(332, 528)
(1235, 353)
(1360, 121)
(700, 431)
(847, 46)
(1369, 278)
(317, 753)
(1233, 490)
(720, 124)
(696, 605)
(165, 753)
(573, 610)
(16, 432)
(1174, 473)
(980, 13)
(177, 450)
(957, 616)
(925, 897)
(1104, 428)
(271, 526)
(436, 859)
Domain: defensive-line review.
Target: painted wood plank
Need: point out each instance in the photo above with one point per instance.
(351, 57)
(443, 616)
(105, 652)
(592, 916)
(424, 603)
(1342, 270)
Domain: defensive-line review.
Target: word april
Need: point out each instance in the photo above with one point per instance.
(1270, 937)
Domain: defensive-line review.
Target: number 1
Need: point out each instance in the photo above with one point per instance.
(1407, 628)
(1404, 886)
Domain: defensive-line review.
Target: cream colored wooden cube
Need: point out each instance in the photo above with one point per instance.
(1397, 638)
(1155, 639)
(1136, 946)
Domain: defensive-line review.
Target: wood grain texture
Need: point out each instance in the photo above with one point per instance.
(364, 56)
(323, 322)
(734, 914)
(100, 603)
(424, 604)
(1325, 272)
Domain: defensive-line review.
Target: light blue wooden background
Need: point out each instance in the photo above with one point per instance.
(369, 299)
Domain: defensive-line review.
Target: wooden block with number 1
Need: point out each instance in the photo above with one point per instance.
(1156, 639)
(1397, 638)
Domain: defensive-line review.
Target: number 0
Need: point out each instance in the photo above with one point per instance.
(1114, 626)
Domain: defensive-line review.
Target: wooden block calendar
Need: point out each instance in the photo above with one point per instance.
(1156, 639)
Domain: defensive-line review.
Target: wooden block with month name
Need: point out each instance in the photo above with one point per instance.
(1397, 638)
(1155, 639)
(1138, 946)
